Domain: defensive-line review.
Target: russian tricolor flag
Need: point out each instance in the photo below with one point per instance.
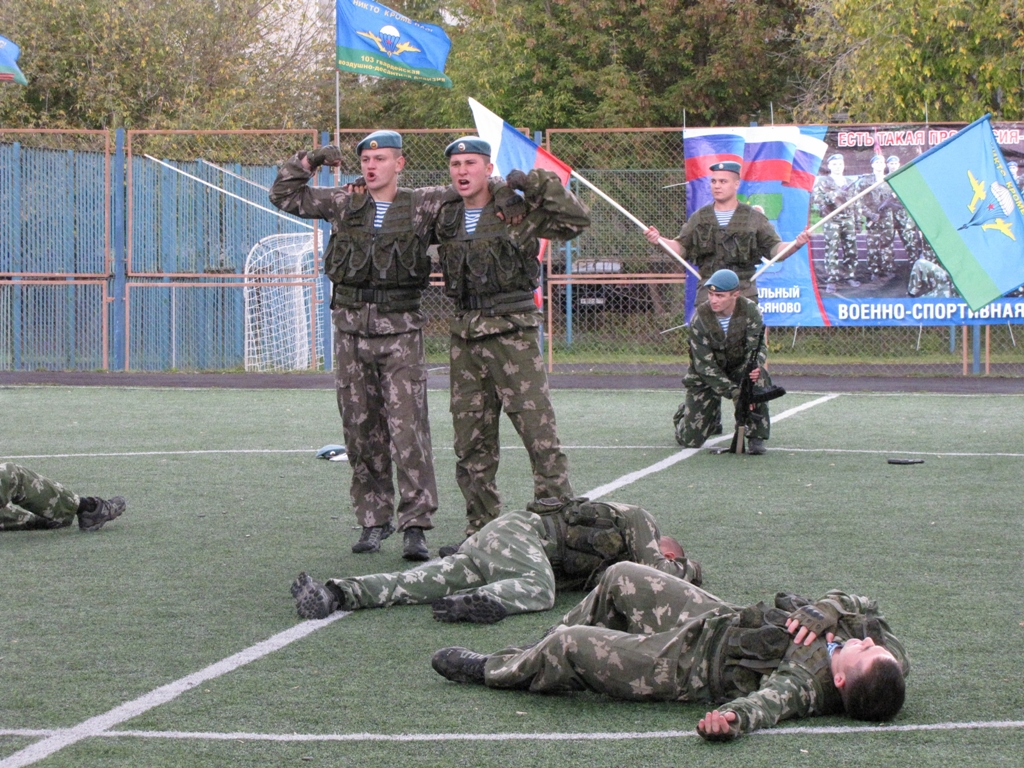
(511, 149)
(810, 151)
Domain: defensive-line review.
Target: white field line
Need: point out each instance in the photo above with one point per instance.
(594, 736)
(632, 477)
(96, 726)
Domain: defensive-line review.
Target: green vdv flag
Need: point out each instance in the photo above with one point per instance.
(966, 203)
(375, 40)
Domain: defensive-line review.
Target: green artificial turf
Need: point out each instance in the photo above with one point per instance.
(198, 569)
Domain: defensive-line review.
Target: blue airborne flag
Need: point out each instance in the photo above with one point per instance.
(963, 198)
(374, 40)
(9, 54)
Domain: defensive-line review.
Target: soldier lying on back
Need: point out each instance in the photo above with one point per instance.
(643, 635)
(514, 564)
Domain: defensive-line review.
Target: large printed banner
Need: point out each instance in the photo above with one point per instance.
(870, 264)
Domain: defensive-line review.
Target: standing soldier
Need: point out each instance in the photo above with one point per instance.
(903, 224)
(840, 231)
(491, 270)
(377, 261)
(728, 234)
(878, 207)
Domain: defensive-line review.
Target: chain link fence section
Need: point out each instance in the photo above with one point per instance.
(53, 325)
(54, 205)
(611, 293)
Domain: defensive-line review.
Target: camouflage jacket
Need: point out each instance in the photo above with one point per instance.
(717, 359)
(552, 212)
(801, 684)
(373, 317)
(878, 205)
(738, 246)
(827, 195)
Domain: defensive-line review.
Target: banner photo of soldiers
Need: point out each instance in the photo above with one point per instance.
(869, 265)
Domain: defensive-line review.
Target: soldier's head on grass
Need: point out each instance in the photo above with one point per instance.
(869, 680)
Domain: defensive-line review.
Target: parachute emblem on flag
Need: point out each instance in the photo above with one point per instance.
(388, 41)
(990, 216)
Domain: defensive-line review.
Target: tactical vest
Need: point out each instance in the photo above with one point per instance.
(733, 356)
(715, 247)
(755, 645)
(388, 266)
(487, 269)
(587, 539)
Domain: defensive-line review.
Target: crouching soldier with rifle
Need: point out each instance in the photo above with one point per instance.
(726, 350)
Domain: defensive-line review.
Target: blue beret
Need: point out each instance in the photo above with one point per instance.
(380, 140)
(892, 158)
(877, 159)
(468, 145)
(726, 165)
(834, 156)
(723, 280)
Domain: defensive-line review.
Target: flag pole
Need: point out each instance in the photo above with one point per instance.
(819, 222)
(661, 241)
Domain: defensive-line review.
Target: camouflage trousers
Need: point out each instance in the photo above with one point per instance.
(840, 233)
(929, 280)
(639, 635)
(381, 386)
(28, 500)
(505, 559)
(490, 374)
(699, 416)
(906, 228)
(879, 242)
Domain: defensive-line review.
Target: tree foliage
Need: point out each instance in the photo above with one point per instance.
(903, 60)
(590, 63)
(159, 64)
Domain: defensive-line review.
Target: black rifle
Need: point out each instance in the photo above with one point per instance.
(750, 395)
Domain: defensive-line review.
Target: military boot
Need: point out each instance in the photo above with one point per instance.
(756, 447)
(474, 608)
(460, 665)
(371, 537)
(93, 512)
(415, 547)
(313, 600)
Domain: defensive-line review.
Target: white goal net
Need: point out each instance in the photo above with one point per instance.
(282, 327)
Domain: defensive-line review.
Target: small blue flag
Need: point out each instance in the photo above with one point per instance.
(372, 39)
(9, 54)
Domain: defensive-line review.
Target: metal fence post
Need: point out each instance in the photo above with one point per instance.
(117, 292)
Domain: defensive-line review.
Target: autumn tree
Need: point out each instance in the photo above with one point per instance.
(904, 60)
(159, 64)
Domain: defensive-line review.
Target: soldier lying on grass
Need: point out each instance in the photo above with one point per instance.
(514, 564)
(643, 635)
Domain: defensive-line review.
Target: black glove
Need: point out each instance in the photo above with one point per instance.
(817, 618)
(508, 203)
(329, 155)
(516, 180)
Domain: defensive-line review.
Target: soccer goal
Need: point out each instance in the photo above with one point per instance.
(282, 293)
